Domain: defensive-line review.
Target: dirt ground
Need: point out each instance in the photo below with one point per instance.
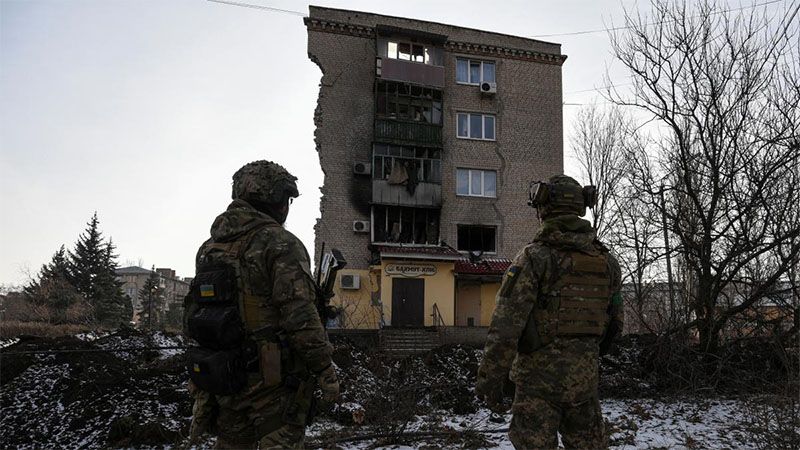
(132, 398)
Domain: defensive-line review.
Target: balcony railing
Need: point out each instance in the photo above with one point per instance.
(425, 194)
(407, 132)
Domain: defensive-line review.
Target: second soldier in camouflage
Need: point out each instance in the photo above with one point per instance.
(558, 303)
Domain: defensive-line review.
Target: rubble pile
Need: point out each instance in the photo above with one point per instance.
(378, 389)
(93, 399)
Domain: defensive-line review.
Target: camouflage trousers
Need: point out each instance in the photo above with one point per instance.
(254, 418)
(537, 421)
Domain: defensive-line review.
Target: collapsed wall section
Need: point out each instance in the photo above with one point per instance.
(344, 126)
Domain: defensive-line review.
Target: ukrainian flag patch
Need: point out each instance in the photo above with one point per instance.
(512, 271)
(206, 290)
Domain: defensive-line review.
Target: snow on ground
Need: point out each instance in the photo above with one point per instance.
(91, 336)
(162, 340)
(631, 424)
(8, 342)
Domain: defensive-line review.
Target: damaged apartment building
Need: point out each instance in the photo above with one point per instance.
(428, 136)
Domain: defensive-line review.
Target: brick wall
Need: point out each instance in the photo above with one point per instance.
(344, 119)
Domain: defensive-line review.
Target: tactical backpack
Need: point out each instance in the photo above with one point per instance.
(214, 320)
(573, 303)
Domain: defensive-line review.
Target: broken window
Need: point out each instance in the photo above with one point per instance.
(408, 51)
(477, 238)
(398, 224)
(408, 102)
(418, 163)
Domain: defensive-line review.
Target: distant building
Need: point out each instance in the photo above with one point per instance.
(652, 311)
(171, 288)
(428, 135)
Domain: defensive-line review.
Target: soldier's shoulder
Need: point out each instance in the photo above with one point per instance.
(280, 240)
(536, 251)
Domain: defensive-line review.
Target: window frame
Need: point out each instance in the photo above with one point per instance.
(472, 225)
(483, 182)
(429, 214)
(483, 126)
(469, 62)
(426, 53)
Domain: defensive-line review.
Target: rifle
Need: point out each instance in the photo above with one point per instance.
(329, 264)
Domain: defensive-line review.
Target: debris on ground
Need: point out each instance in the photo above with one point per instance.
(125, 397)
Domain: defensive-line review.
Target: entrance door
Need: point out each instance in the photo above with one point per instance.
(468, 304)
(408, 302)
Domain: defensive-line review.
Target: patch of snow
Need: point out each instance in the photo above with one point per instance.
(8, 342)
(91, 336)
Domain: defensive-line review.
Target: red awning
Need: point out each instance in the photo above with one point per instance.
(486, 266)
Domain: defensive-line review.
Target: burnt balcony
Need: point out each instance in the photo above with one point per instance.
(407, 132)
(426, 195)
(410, 72)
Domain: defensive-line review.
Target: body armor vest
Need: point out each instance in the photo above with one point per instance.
(573, 303)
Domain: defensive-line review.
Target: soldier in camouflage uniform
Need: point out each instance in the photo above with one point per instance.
(279, 294)
(558, 306)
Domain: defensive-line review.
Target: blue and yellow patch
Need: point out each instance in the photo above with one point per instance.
(206, 290)
(512, 271)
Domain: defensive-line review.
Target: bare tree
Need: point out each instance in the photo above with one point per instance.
(610, 151)
(721, 88)
(598, 141)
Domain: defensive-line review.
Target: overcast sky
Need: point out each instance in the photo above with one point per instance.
(142, 111)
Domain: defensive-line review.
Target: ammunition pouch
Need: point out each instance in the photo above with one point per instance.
(216, 327)
(220, 372)
(575, 305)
(216, 323)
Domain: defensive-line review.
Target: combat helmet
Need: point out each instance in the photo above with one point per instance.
(263, 183)
(561, 195)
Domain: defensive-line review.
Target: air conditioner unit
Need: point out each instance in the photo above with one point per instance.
(361, 226)
(362, 168)
(488, 88)
(350, 281)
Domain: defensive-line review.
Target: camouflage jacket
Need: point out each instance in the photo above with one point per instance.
(566, 369)
(275, 268)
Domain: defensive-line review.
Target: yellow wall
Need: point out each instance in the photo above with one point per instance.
(488, 293)
(358, 310)
(360, 313)
(439, 289)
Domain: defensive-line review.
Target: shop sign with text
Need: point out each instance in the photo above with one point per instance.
(411, 270)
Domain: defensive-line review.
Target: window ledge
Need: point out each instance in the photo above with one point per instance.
(476, 139)
(476, 196)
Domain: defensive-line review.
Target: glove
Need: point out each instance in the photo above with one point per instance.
(611, 333)
(329, 384)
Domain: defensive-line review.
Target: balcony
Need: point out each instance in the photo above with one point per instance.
(408, 132)
(411, 72)
(426, 195)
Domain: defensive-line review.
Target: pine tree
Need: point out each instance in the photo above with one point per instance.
(93, 273)
(52, 288)
(150, 296)
(86, 262)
